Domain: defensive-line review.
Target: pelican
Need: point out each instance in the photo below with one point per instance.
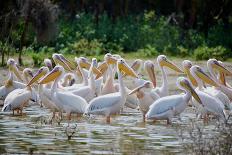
(211, 104)
(88, 92)
(187, 65)
(19, 98)
(111, 103)
(109, 85)
(222, 78)
(64, 100)
(215, 91)
(68, 80)
(11, 84)
(167, 107)
(163, 61)
(48, 63)
(145, 98)
(44, 93)
(214, 64)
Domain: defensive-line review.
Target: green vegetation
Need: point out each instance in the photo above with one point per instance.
(145, 34)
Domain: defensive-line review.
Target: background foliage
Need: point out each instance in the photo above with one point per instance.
(201, 29)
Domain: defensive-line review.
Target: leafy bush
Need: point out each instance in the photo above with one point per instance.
(148, 51)
(205, 52)
(87, 48)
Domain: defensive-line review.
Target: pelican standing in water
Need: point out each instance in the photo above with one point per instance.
(167, 107)
(163, 61)
(210, 104)
(110, 104)
(44, 93)
(145, 98)
(64, 100)
(11, 84)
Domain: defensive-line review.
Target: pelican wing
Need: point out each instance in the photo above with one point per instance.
(16, 99)
(164, 104)
(72, 102)
(104, 102)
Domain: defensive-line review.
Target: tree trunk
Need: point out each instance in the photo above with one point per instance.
(22, 41)
(3, 58)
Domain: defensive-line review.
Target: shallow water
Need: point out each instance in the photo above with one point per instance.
(126, 134)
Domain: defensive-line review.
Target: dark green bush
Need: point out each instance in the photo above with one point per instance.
(205, 52)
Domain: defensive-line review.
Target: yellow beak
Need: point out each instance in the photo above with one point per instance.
(139, 87)
(189, 75)
(151, 73)
(221, 68)
(36, 77)
(111, 60)
(69, 63)
(222, 78)
(192, 91)
(136, 65)
(59, 61)
(126, 69)
(50, 77)
(169, 64)
(102, 68)
(87, 66)
(206, 78)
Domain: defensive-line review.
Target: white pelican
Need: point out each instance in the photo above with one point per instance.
(215, 91)
(44, 93)
(211, 104)
(88, 92)
(48, 63)
(163, 61)
(19, 98)
(111, 103)
(64, 100)
(111, 87)
(167, 107)
(214, 64)
(145, 98)
(10, 83)
(108, 87)
(186, 64)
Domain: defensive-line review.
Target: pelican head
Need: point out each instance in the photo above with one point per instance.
(149, 67)
(48, 63)
(40, 73)
(163, 61)
(186, 66)
(60, 61)
(124, 67)
(110, 59)
(69, 63)
(146, 84)
(184, 84)
(94, 62)
(83, 62)
(13, 68)
(27, 72)
(137, 65)
(198, 71)
(52, 75)
(216, 65)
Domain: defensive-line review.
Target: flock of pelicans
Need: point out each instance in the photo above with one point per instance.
(90, 88)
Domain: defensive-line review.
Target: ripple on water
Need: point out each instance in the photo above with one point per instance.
(127, 134)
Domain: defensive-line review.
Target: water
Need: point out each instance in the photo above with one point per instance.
(126, 134)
